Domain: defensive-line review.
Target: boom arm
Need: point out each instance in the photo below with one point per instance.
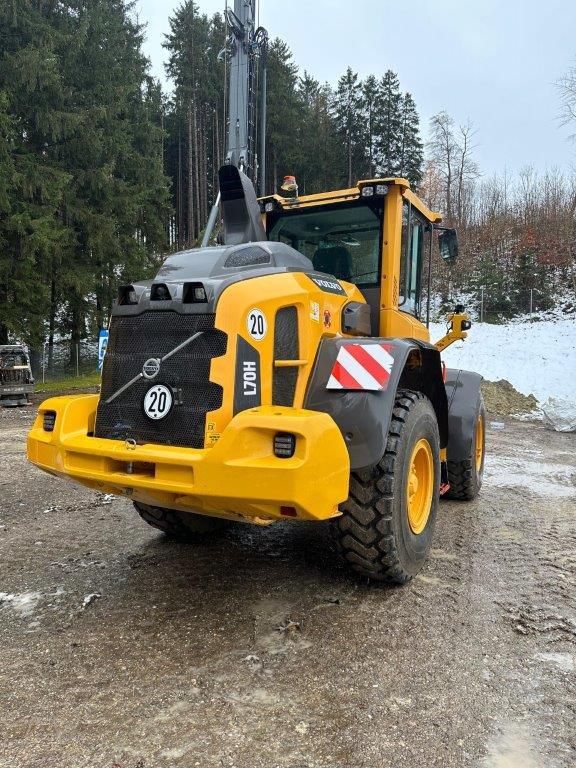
(248, 44)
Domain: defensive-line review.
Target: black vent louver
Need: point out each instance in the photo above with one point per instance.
(286, 347)
(252, 255)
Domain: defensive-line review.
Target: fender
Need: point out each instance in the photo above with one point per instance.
(463, 390)
(363, 417)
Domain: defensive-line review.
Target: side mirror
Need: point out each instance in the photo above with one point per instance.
(448, 244)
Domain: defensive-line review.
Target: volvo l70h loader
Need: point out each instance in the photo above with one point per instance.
(284, 375)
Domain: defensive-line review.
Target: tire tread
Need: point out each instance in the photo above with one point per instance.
(173, 525)
(363, 533)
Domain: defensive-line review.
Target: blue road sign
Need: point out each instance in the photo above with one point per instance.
(102, 344)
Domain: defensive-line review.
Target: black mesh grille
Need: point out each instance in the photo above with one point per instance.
(284, 386)
(285, 348)
(244, 257)
(13, 377)
(134, 340)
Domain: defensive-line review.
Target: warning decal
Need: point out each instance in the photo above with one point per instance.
(362, 366)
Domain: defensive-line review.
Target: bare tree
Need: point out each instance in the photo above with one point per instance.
(567, 87)
(467, 170)
(451, 150)
(443, 151)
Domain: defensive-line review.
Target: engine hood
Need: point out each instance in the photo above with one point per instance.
(213, 269)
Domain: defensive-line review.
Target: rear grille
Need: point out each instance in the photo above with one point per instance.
(285, 348)
(136, 339)
(8, 376)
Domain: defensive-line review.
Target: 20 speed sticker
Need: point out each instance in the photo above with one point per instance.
(256, 324)
(158, 402)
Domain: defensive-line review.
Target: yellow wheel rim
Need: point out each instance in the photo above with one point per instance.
(479, 442)
(420, 486)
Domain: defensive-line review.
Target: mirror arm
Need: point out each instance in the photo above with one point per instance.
(458, 325)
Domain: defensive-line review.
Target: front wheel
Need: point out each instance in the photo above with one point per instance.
(465, 477)
(386, 527)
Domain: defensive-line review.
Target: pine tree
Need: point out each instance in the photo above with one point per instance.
(117, 202)
(7, 177)
(308, 170)
(195, 117)
(33, 120)
(389, 125)
(284, 114)
(369, 113)
(411, 148)
(317, 139)
(347, 111)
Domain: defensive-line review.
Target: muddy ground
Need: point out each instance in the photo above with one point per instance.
(119, 648)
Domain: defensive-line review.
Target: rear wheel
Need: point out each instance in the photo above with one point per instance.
(385, 531)
(465, 477)
(183, 526)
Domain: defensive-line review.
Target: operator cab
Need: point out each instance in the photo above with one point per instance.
(352, 235)
(340, 239)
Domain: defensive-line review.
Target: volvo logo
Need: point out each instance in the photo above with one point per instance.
(151, 368)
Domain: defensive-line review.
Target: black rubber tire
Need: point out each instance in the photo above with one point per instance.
(182, 526)
(373, 534)
(464, 478)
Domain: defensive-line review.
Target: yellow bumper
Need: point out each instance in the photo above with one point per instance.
(238, 477)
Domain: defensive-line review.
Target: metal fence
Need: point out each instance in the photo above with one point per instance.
(487, 306)
(69, 360)
(64, 360)
(531, 304)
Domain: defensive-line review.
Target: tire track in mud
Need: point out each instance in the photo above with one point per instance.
(265, 632)
(529, 570)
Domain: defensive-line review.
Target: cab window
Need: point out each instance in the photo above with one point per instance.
(414, 227)
(343, 240)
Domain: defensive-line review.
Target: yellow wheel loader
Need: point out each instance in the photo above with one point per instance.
(284, 375)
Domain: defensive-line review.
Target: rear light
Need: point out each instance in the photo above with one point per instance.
(284, 445)
(194, 293)
(49, 421)
(288, 511)
(160, 292)
(378, 189)
(127, 295)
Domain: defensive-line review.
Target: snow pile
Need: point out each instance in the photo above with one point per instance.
(560, 414)
(536, 358)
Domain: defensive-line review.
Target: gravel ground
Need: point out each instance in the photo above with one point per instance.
(123, 650)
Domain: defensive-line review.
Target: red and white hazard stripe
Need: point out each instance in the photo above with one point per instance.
(362, 366)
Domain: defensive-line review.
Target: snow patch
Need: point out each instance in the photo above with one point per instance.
(24, 604)
(89, 599)
(536, 358)
(565, 661)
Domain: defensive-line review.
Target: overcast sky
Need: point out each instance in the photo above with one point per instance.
(494, 62)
